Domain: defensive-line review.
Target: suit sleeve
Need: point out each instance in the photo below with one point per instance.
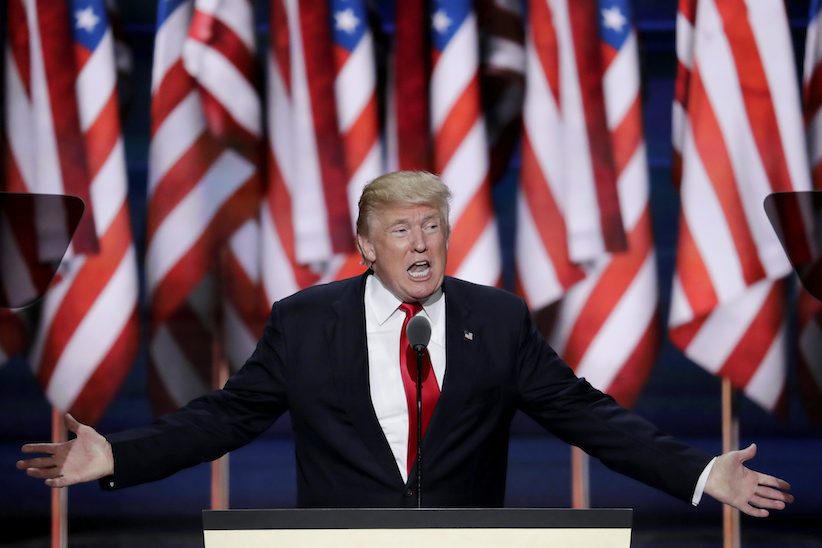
(209, 426)
(580, 415)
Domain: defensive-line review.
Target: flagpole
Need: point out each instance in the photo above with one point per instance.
(219, 467)
(730, 442)
(59, 497)
(580, 484)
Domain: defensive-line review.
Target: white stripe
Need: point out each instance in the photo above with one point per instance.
(90, 342)
(684, 41)
(621, 83)
(815, 137)
(19, 129)
(96, 82)
(467, 170)
(238, 15)
(355, 83)
(225, 83)
(278, 279)
(632, 188)
(239, 342)
(622, 332)
(192, 216)
(707, 224)
(175, 136)
(573, 301)
(367, 171)
(482, 265)
(768, 380)
(454, 70)
(534, 266)
(681, 312)
(505, 54)
(168, 43)
(313, 242)
(725, 326)
(177, 375)
(244, 244)
(108, 189)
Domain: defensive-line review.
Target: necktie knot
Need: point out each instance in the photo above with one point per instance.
(410, 309)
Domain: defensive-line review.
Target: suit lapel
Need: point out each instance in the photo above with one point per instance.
(346, 335)
(461, 353)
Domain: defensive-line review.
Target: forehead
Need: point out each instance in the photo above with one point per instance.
(398, 213)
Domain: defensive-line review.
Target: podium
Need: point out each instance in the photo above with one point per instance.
(415, 528)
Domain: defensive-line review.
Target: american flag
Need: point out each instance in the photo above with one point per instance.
(738, 133)
(810, 309)
(203, 192)
(502, 77)
(355, 92)
(607, 326)
(459, 142)
(568, 212)
(67, 140)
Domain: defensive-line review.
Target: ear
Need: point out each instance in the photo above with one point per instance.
(366, 248)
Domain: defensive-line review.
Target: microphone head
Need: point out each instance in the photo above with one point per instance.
(418, 332)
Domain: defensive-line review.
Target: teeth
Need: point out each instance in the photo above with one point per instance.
(419, 269)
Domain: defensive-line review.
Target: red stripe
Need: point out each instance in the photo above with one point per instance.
(457, 124)
(543, 34)
(634, 372)
(693, 274)
(713, 153)
(200, 258)
(319, 67)
(19, 39)
(180, 180)
(627, 136)
(278, 201)
(682, 335)
(361, 136)
(813, 92)
(223, 127)
(351, 267)
(547, 217)
(244, 295)
(61, 75)
(281, 42)
(93, 277)
(473, 221)
(583, 16)
(172, 90)
(102, 136)
(411, 74)
(499, 20)
(109, 373)
(687, 9)
(615, 280)
(750, 350)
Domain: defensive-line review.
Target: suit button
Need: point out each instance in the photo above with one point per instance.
(409, 493)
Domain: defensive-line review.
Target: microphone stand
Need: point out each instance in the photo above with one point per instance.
(419, 350)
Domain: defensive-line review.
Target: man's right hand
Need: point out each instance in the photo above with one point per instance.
(87, 457)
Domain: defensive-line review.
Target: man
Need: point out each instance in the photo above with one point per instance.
(331, 355)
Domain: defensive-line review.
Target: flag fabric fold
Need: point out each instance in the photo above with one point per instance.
(738, 136)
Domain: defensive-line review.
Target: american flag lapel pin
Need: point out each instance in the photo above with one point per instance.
(468, 335)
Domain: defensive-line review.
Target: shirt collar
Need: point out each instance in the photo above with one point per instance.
(384, 303)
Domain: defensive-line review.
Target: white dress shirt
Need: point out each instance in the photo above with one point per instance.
(383, 323)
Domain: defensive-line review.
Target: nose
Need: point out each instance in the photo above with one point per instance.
(418, 240)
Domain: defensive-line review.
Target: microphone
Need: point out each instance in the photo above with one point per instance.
(418, 332)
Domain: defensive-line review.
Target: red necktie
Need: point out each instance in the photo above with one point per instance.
(430, 389)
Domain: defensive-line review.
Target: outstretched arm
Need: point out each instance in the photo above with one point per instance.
(753, 493)
(85, 458)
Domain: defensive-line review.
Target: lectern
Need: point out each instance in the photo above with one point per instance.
(416, 528)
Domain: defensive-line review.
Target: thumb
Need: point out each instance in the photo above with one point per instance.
(748, 453)
(72, 425)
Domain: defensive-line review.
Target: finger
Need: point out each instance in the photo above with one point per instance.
(748, 453)
(43, 473)
(773, 494)
(48, 448)
(771, 481)
(762, 502)
(40, 462)
(754, 511)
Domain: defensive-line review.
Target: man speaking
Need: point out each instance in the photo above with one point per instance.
(336, 357)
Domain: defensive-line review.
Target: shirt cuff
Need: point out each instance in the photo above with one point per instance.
(700, 483)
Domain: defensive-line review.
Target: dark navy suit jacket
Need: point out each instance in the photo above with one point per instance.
(312, 360)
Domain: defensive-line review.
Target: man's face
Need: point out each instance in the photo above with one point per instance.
(406, 246)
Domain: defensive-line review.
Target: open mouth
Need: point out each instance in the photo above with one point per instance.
(419, 270)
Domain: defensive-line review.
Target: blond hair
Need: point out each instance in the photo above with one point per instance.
(402, 188)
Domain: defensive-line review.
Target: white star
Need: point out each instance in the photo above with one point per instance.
(612, 18)
(346, 21)
(86, 19)
(440, 21)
